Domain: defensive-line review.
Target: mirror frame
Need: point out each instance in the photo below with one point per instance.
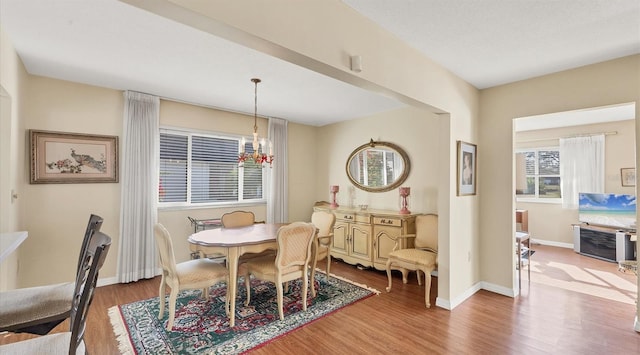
(401, 179)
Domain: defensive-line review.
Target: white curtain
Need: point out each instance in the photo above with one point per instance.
(581, 167)
(137, 256)
(277, 203)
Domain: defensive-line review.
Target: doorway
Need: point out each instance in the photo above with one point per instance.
(538, 191)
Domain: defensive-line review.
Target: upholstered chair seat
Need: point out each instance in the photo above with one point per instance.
(291, 262)
(422, 258)
(321, 247)
(39, 309)
(198, 274)
(71, 342)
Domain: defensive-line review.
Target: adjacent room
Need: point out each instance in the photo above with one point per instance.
(341, 176)
(579, 217)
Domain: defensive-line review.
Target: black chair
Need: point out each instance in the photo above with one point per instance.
(37, 310)
(71, 342)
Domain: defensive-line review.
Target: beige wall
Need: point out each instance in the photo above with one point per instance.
(414, 130)
(12, 86)
(56, 215)
(12, 82)
(550, 223)
(602, 84)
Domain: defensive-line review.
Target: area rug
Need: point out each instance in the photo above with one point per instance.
(202, 327)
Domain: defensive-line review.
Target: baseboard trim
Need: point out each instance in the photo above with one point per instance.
(106, 281)
(552, 243)
(491, 287)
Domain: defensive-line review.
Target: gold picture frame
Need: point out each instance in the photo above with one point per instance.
(70, 158)
(467, 168)
(628, 176)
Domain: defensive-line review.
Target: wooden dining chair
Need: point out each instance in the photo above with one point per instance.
(321, 247)
(71, 342)
(423, 257)
(290, 263)
(37, 310)
(239, 219)
(198, 274)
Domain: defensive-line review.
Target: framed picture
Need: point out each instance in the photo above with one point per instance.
(68, 158)
(628, 176)
(467, 159)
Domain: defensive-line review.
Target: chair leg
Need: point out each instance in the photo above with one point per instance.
(280, 300)
(418, 272)
(313, 278)
(389, 273)
(328, 263)
(247, 284)
(173, 296)
(405, 275)
(427, 287)
(226, 298)
(305, 284)
(162, 296)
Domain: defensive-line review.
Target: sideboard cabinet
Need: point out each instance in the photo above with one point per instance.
(363, 237)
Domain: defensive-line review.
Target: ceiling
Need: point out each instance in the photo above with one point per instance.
(111, 44)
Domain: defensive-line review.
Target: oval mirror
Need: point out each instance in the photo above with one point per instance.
(378, 166)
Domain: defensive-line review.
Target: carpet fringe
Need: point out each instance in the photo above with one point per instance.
(119, 329)
(351, 282)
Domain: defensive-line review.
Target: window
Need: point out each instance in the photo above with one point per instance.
(378, 166)
(538, 173)
(199, 168)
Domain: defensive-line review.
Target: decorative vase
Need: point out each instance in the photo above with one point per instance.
(404, 203)
(333, 189)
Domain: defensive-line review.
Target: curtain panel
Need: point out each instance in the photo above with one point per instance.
(581, 167)
(277, 203)
(137, 256)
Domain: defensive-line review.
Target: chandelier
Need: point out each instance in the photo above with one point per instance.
(258, 156)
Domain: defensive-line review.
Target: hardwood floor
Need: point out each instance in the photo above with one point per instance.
(550, 317)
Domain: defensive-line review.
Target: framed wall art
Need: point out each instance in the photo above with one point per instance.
(467, 161)
(628, 176)
(68, 158)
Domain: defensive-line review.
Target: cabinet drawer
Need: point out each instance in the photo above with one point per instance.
(349, 217)
(387, 221)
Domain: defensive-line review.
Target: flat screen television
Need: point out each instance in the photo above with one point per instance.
(609, 210)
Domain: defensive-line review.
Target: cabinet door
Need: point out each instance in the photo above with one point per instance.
(340, 235)
(383, 244)
(361, 241)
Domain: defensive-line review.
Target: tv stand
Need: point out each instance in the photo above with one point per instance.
(606, 243)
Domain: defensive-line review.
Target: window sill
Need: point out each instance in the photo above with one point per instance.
(210, 205)
(552, 201)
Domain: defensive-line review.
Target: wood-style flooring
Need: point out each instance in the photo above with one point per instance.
(549, 317)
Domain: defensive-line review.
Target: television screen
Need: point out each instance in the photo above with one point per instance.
(611, 210)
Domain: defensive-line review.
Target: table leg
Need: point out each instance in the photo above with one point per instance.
(232, 261)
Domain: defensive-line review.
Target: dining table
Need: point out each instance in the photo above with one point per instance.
(232, 243)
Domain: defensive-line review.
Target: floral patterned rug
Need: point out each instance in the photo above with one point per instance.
(201, 326)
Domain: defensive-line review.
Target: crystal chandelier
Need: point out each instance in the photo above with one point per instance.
(258, 156)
